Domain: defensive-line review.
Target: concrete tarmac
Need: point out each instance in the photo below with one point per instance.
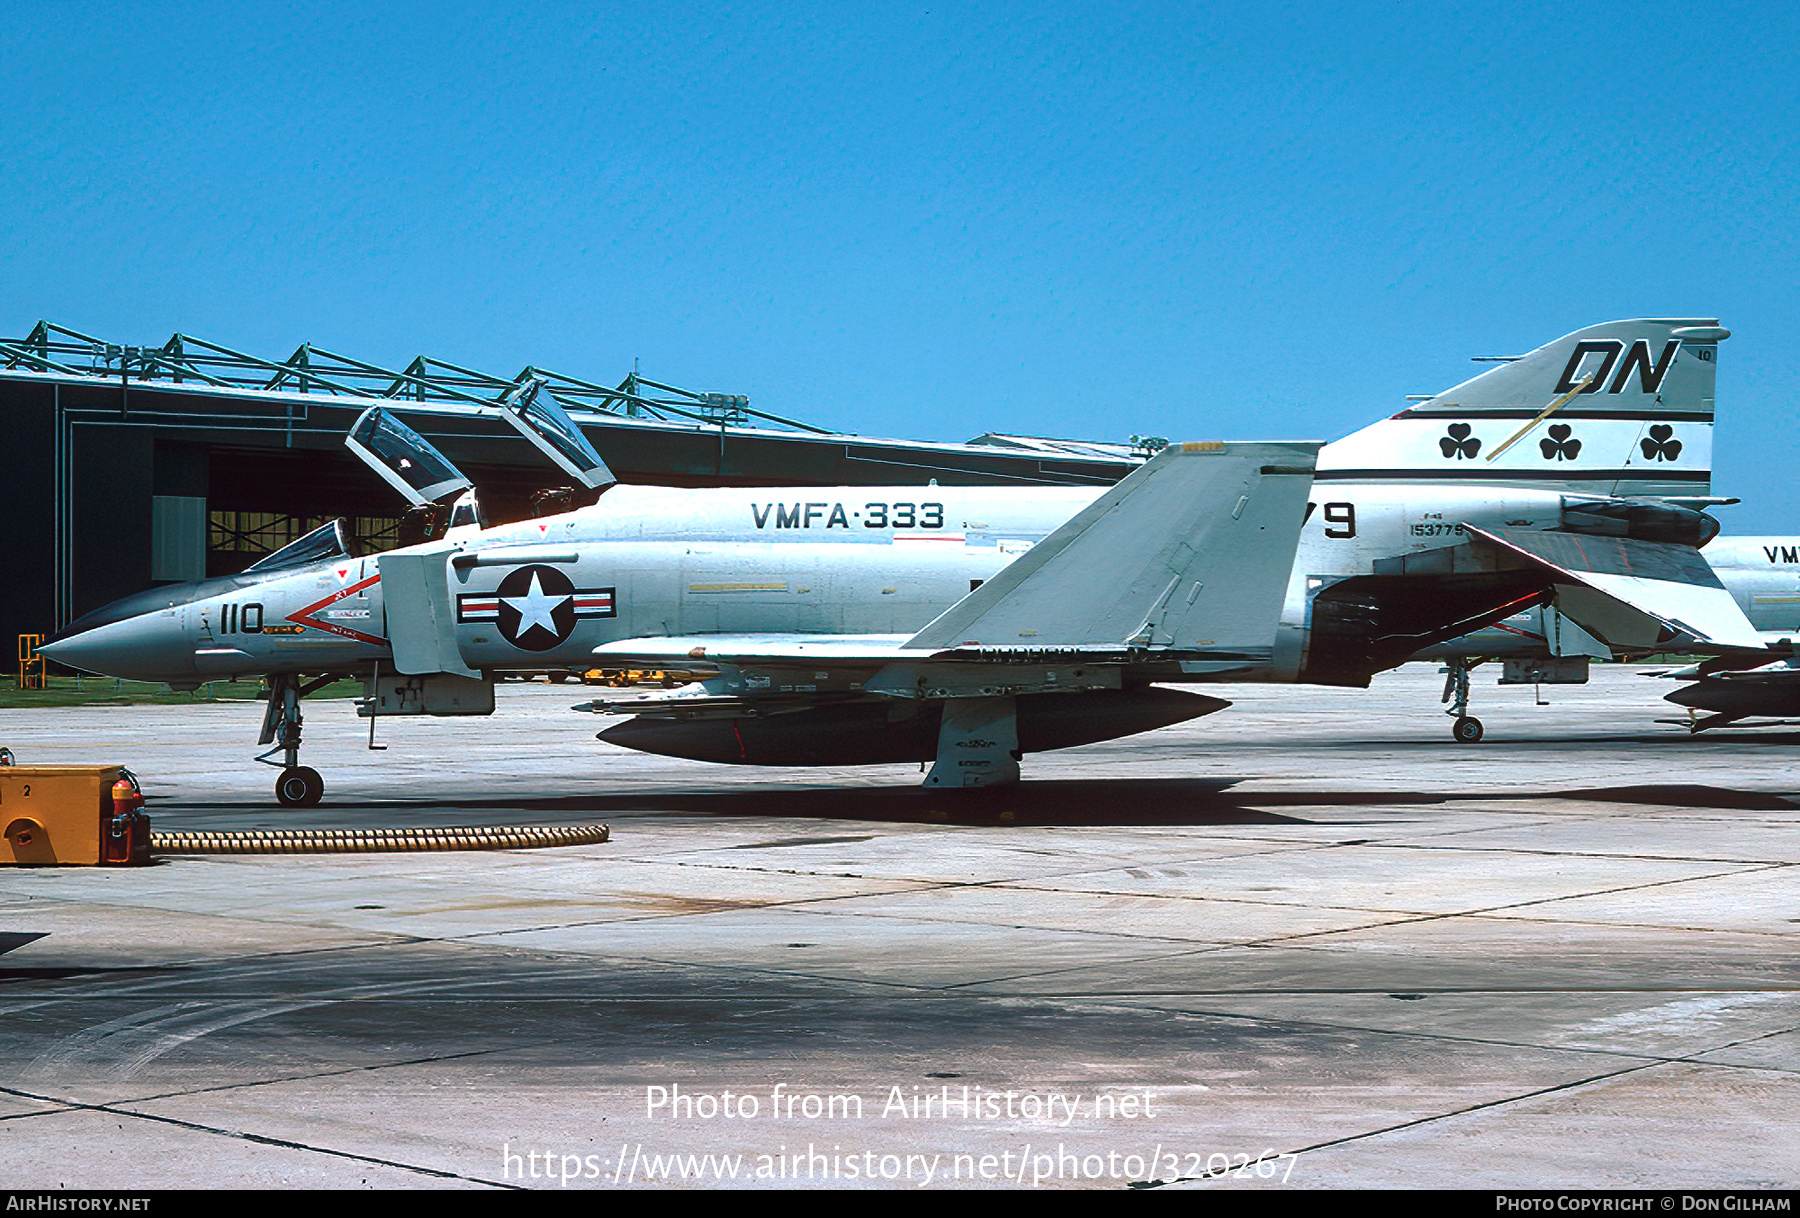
(1309, 941)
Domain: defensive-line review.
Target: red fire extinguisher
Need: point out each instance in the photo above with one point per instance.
(125, 837)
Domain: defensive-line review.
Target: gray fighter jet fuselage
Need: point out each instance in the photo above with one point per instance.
(654, 561)
(1408, 541)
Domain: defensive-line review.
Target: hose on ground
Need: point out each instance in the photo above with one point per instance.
(367, 841)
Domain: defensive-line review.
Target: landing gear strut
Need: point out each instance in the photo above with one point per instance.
(1467, 728)
(299, 786)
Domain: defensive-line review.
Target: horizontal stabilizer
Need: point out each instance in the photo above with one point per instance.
(1192, 551)
(1631, 593)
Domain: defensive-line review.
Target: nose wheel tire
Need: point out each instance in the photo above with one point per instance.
(1466, 730)
(299, 787)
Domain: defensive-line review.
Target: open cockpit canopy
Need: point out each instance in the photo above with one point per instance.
(541, 419)
(405, 459)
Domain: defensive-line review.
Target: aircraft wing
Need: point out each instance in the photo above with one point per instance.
(1187, 558)
(1190, 553)
(1631, 593)
(1192, 550)
(796, 650)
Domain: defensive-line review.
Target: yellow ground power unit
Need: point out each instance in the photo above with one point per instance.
(72, 814)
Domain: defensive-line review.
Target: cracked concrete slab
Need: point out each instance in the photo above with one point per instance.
(1310, 925)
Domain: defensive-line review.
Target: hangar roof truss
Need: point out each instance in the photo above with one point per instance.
(184, 359)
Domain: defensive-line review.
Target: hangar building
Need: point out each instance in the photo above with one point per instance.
(133, 466)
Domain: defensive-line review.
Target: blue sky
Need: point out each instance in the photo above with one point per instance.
(1243, 221)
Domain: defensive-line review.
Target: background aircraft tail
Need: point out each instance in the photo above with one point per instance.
(1624, 408)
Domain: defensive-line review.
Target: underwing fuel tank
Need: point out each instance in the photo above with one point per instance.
(871, 733)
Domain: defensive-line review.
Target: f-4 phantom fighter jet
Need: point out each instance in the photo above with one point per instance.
(1181, 567)
(1411, 537)
(1545, 647)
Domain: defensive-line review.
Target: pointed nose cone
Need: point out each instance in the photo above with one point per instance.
(149, 647)
(142, 637)
(1696, 695)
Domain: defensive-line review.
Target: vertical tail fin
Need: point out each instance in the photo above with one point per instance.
(1623, 408)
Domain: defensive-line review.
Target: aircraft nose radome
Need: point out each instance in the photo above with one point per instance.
(73, 630)
(128, 608)
(66, 648)
(132, 648)
(76, 650)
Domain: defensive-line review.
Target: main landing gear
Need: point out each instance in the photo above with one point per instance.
(1467, 728)
(299, 785)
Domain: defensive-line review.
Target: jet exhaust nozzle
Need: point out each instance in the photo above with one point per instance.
(1640, 520)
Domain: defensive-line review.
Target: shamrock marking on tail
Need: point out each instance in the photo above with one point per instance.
(1459, 443)
(1658, 446)
(1561, 446)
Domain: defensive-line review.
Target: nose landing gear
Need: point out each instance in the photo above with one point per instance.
(299, 786)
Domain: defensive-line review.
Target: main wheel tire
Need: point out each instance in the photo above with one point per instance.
(1467, 730)
(299, 787)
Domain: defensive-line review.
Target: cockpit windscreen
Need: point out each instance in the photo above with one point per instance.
(321, 545)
